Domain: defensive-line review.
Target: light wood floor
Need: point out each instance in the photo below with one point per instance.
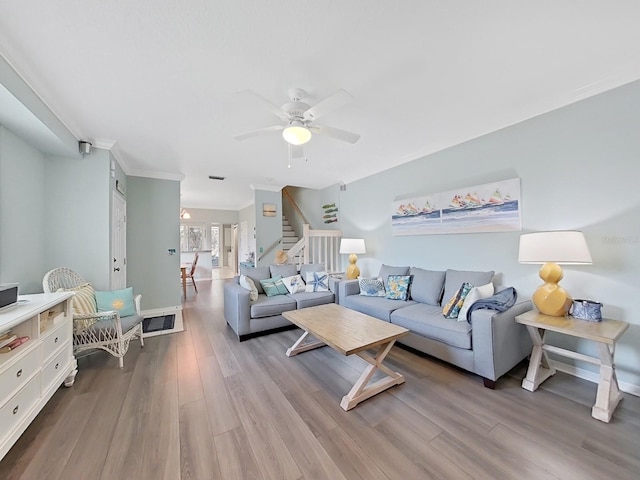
(200, 405)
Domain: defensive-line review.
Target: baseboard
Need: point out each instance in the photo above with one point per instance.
(249, 336)
(626, 387)
(178, 325)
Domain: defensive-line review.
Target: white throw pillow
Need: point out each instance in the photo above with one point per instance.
(475, 294)
(317, 282)
(294, 283)
(246, 282)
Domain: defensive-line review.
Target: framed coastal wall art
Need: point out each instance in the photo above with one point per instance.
(491, 207)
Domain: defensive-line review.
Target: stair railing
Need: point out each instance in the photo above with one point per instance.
(318, 246)
(269, 249)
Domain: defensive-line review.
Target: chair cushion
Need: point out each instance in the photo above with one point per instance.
(120, 300)
(267, 306)
(428, 321)
(455, 278)
(427, 285)
(104, 331)
(256, 274)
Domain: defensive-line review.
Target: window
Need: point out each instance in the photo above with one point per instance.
(191, 238)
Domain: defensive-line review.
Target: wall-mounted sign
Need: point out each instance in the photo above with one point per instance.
(120, 187)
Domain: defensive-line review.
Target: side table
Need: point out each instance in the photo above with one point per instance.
(604, 333)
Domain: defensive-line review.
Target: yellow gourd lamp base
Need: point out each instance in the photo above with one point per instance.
(550, 298)
(353, 271)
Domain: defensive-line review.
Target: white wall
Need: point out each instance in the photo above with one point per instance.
(579, 168)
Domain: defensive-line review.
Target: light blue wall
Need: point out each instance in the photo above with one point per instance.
(311, 207)
(153, 227)
(22, 194)
(268, 229)
(77, 215)
(579, 168)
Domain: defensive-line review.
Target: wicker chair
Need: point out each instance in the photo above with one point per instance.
(103, 330)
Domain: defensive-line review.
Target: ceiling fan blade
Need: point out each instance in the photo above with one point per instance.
(261, 131)
(276, 110)
(335, 133)
(332, 102)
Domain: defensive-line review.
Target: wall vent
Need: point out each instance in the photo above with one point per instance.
(215, 177)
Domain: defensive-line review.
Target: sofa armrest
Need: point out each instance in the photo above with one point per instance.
(346, 288)
(499, 343)
(237, 307)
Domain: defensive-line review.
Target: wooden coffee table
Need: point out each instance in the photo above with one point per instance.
(349, 332)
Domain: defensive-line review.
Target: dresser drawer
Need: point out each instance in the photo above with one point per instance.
(19, 406)
(55, 339)
(17, 374)
(53, 368)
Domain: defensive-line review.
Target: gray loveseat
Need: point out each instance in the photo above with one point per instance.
(489, 344)
(252, 318)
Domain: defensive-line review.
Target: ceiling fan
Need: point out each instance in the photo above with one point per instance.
(298, 120)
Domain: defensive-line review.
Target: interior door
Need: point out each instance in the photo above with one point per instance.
(118, 242)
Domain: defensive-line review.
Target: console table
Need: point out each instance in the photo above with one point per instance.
(604, 333)
(31, 373)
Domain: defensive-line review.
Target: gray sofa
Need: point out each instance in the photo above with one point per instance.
(489, 344)
(252, 318)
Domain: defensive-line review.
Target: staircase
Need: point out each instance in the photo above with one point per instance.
(289, 238)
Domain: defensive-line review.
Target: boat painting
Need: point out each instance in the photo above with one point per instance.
(492, 207)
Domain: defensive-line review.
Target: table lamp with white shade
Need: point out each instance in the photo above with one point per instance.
(352, 246)
(552, 249)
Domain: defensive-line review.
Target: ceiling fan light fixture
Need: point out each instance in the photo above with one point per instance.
(296, 133)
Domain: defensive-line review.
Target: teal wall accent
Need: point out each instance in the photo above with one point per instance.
(153, 227)
(22, 194)
(77, 215)
(268, 229)
(579, 168)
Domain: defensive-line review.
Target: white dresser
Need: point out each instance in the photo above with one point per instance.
(31, 374)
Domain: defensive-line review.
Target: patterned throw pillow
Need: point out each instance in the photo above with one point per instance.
(372, 287)
(453, 306)
(84, 300)
(274, 286)
(475, 294)
(246, 282)
(294, 284)
(398, 287)
(317, 282)
(120, 300)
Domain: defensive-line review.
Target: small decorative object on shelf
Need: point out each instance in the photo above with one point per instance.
(586, 310)
(15, 343)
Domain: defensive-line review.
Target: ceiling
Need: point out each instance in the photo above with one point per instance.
(161, 77)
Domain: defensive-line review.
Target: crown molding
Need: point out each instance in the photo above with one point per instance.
(178, 177)
(268, 188)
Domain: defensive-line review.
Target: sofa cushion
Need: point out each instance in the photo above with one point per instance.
(386, 270)
(427, 285)
(310, 267)
(455, 278)
(311, 299)
(283, 270)
(379, 307)
(371, 287)
(256, 274)
(398, 287)
(267, 306)
(427, 320)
